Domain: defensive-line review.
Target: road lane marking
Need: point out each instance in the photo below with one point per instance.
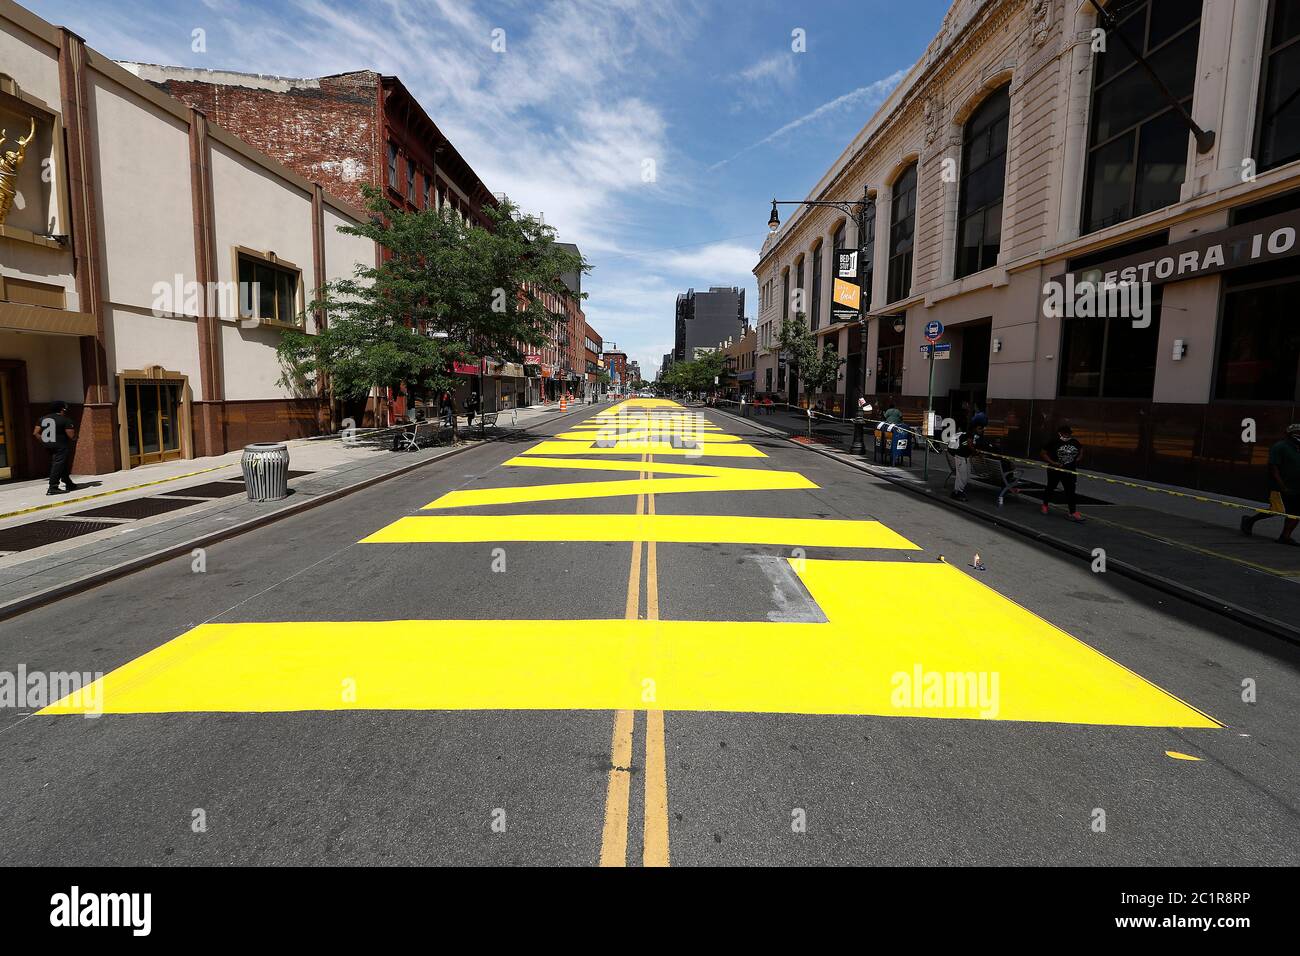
(591, 447)
(654, 850)
(675, 529)
(848, 665)
(697, 479)
(613, 840)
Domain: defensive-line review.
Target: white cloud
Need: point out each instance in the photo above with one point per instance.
(872, 95)
(777, 68)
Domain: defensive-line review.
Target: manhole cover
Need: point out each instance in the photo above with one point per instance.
(40, 533)
(139, 508)
(213, 489)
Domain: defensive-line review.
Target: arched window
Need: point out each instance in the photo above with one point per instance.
(983, 182)
(902, 229)
(785, 295)
(1137, 142)
(868, 243)
(801, 305)
(818, 255)
(1278, 139)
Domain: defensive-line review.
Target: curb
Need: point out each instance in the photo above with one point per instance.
(1233, 611)
(86, 582)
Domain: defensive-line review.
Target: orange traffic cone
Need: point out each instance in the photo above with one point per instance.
(564, 403)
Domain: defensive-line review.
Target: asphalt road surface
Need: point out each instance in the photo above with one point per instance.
(655, 637)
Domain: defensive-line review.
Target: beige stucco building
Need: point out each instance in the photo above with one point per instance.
(1027, 144)
(128, 260)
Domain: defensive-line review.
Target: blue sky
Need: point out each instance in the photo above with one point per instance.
(586, 92)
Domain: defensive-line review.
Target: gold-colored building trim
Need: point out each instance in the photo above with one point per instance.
(35, 318)
(155, 373)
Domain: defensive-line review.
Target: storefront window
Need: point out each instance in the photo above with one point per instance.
(1137, 142)
(983, 181)
(1259, 343)
(901, 230)
(1279, 98)
(1110, 358)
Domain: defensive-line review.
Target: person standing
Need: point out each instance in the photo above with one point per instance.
(471, 409)
(58, 433)
(961, 456)
(1284, 487)
(1063, 454)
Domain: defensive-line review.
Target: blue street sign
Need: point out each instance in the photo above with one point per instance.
(933, 329)
(941, 347)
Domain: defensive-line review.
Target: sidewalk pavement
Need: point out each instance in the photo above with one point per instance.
(120, 522)
(1176, 539)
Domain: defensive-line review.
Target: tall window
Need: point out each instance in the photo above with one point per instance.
(1109, 358)
(818, 255)
(428, 188)
(1279, 100)
(868, 243)
(410, 182)
(392, 165)
(785, 295)
(798, 285)
(837, 243)
(1137, 142)
(1259, 356)
(902, 228)
(268, 291)
(983, 180)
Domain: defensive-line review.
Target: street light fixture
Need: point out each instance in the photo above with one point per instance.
(857, 211)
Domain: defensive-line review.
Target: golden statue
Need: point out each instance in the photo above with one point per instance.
(10, 163)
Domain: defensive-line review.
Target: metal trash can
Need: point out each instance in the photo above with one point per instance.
(266, 471)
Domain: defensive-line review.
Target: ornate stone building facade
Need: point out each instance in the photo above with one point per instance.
(1027, 147)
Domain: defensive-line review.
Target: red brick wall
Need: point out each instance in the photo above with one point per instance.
(326, 135)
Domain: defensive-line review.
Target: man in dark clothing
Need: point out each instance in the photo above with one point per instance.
(471, 408)
(1284, 486)
(1063, 454)
(58, 433)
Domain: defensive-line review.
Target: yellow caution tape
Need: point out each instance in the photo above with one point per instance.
(1046, 467)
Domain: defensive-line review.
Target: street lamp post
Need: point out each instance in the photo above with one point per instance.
(857, 211)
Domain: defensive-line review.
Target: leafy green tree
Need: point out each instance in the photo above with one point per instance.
(696, 375)
(818, 369)
(445, 290)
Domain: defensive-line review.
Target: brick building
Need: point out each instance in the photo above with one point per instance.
(616, 362)
(343, 131)
(346, 131)
(594, 347)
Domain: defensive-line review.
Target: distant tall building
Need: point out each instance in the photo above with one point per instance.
(706, 318)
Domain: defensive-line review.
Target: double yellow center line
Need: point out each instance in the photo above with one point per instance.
(613, 846)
